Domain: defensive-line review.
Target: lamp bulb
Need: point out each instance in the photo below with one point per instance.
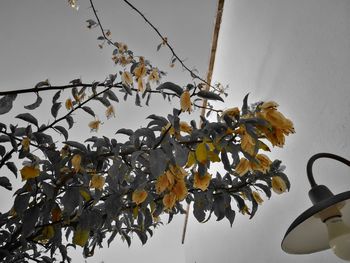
(339, 237)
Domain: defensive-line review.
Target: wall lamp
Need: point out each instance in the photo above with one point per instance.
(324, 225)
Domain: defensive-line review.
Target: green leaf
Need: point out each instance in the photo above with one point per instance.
(36, 104)
(171, 86)
(6, 103)
(209, 95)
(28, 118)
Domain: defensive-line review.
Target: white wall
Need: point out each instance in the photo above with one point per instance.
(298, 54)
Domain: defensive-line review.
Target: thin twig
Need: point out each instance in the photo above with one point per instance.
(70, 86)
(193, 74)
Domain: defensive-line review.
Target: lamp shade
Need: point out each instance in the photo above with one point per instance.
(308, 233)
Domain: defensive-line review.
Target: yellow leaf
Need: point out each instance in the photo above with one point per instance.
(81, 236)
(201, 153)
(191, 159)
(48, 232)
(29, 172)
(213, 157)
(243, 167)
(141, 84)
(110, 112)
(97, 182)
(135, 212)
(185, 101)
(25, 144)
(178, 172)
(162, 183)
(201, 182)
(180, 190)
(139, 196)
(169, 200)
(94, 125)
(185, 127)
(278, 185)
(263, 146)
(126, 78)
(140, 71)
(69, 104)
(76, 162)
(257, 197)
(85, 194)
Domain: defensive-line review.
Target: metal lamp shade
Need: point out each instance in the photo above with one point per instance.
(308, 234)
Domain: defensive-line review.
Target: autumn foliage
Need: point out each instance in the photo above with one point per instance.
(82, 193)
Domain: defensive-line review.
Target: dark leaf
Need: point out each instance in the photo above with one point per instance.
(230, 214)
(12, 167)
(54, 109)
(171, 86)
(6, 103)
(2, 150)
(36, 104)
(70, 200)
(63, 131)
(209, 95)
(148, 99)
(40, 84)
(104, 101)
(56, 96)
(245, 105)
(21, 203)
(5, 182)
(125, 131)
(111, 95)
(265, 188)
(4, 138)
(30, 218)
(70, 121)
(88, 110)
(157, 162)
(138, 100)
(28, 118)
(219, 207)
(254, 208)
(126, 238)
(77, 145)
(127, 89)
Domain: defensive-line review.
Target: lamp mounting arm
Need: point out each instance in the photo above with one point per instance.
(310, 175)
